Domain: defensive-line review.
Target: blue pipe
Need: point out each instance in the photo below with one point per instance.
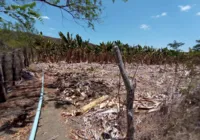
(37, 116)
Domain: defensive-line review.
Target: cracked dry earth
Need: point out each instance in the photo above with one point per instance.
(68, 87)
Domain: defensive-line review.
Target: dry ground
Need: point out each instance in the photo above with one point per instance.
(68, 87)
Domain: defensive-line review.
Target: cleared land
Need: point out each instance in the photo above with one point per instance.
(68, 87)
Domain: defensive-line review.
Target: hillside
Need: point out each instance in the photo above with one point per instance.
(12, 39)
(15, 39)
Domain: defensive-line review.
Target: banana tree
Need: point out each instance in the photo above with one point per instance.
(197, 46)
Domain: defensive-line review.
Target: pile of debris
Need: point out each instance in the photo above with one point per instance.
(104, 117)
(79, 87)
(96, 112)
(97, 108)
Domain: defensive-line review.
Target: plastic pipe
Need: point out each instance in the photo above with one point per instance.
(37, 116)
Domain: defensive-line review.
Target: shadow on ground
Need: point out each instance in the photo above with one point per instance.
(17, 111)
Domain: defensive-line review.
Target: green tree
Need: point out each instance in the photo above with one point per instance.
(175, 45)
(23, 11)
(24, 14)
(197, 46)
(81, 10)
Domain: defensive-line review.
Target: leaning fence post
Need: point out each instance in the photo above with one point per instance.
(130, 95)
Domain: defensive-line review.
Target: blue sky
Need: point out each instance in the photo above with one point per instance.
(146, 22)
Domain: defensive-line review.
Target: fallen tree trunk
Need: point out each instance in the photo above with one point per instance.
(130, 95)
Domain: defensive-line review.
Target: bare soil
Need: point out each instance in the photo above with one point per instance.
(17, 113)
(51, 125)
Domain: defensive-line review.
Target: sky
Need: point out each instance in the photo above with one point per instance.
(145, 22)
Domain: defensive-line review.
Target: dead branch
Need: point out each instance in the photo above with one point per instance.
(130, 95)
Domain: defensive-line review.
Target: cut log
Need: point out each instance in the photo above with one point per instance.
(92, 104)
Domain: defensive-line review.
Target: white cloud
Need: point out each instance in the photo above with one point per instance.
(161, 15)
(52, 28)
(164, 14)
(184, 8)
(45, 17)
(144, 27)
(157, 16)
(198, 14)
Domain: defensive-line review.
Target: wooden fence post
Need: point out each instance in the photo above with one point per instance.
(26, 57)
(2, 86)
(7, 66)
(130, 95)
(16, 66)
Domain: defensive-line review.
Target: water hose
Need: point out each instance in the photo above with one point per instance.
(37, 116)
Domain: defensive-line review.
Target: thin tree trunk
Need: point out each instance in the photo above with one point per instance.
(130, 95)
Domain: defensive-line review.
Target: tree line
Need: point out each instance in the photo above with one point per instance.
(75, 49)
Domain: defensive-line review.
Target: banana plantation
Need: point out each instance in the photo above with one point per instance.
(75, 50)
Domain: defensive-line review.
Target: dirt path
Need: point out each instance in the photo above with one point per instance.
(51, 125)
